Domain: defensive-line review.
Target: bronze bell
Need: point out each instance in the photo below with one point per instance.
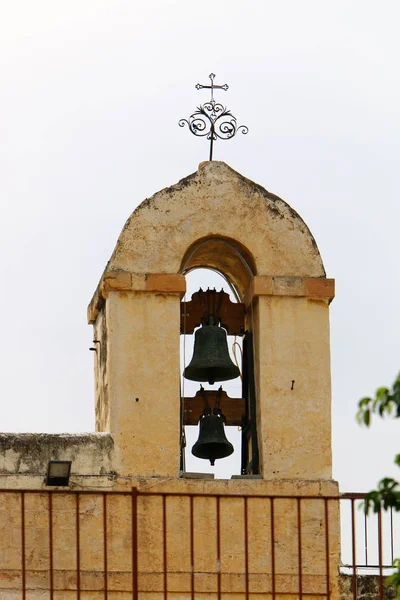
(212, 442)
(211, 361)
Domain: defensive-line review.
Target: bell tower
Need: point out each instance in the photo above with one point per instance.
(129, 521)
(217, 219)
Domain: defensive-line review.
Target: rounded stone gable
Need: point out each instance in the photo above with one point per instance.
(217, 218)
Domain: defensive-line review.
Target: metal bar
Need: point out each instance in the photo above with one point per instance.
(391, 536)
(186, 494)
(211, 141)
(253, 410)
(299, 549)
(69, 492)
(218, 548)
(244, 446)
(272, 549)
(23, 545)
(363, 566)
(245, 416)
(204, 495)
(165, 545)
(380, 554)
(353, 495)
(328, 576)
(191, 549)
(78, 557)
(245, 429)
(312, 594)
(51, 546)
(353, 546)
(194, 494)
(105, 545)
(134, 497)
(366, 538)
(246, 548)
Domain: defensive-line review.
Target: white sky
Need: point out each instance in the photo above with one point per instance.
(91, 95)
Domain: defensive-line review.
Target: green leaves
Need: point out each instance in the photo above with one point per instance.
(385, 403)
(386, 496)
(394, 579)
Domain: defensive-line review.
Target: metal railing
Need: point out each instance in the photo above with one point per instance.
(277, 578)
(369, 543)
(187, 543)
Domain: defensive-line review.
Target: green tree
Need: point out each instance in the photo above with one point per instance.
(385, 403)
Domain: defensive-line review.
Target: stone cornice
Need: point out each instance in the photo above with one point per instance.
(172, 283)
(123, 281)
(307, 287)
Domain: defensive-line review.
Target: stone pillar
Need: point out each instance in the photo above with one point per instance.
(290, 318)
(138, 384)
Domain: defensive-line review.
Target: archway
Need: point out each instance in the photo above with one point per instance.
(227, 257)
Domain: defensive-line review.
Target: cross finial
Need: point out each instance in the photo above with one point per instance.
(208, 120)
(212, 87)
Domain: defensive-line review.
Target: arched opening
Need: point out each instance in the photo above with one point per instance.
(231, 465)
(218, 273)
(226, 256)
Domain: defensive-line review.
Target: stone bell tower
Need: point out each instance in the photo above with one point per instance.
(218, 219)
(273, 530)
(127, 521)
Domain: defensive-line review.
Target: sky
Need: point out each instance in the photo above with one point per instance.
(91, 96)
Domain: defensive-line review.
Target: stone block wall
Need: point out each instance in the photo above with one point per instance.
(367, 588)
(202, 539)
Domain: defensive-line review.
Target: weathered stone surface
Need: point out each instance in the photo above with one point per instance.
(143, 382)
(116, 280)
(294, 419)
(158, 282)
(367, 588)
(29, 453)
(216, 200)
(308, 287)
(91, 512)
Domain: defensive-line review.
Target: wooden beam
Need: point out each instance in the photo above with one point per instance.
(232, 408)
(212, 303)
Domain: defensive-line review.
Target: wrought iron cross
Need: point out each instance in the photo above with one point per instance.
(212, 87)
(212, 119)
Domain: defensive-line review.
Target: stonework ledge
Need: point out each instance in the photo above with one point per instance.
(246, 487)
(123, 281)
(309, 287)
(368, 588)
(29, 453)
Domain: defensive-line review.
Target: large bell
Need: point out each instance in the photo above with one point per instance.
(212, 442)
(211, 361)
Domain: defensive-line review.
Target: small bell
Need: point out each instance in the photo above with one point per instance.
(212, 442)
(211, 361)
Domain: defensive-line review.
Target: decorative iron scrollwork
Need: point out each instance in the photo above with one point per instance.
(212, 119)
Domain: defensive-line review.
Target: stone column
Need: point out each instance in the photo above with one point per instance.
(290, 317)
(138, 398)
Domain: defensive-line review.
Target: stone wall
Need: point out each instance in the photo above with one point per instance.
(24, 458)
(368, 587)
(228, 535)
